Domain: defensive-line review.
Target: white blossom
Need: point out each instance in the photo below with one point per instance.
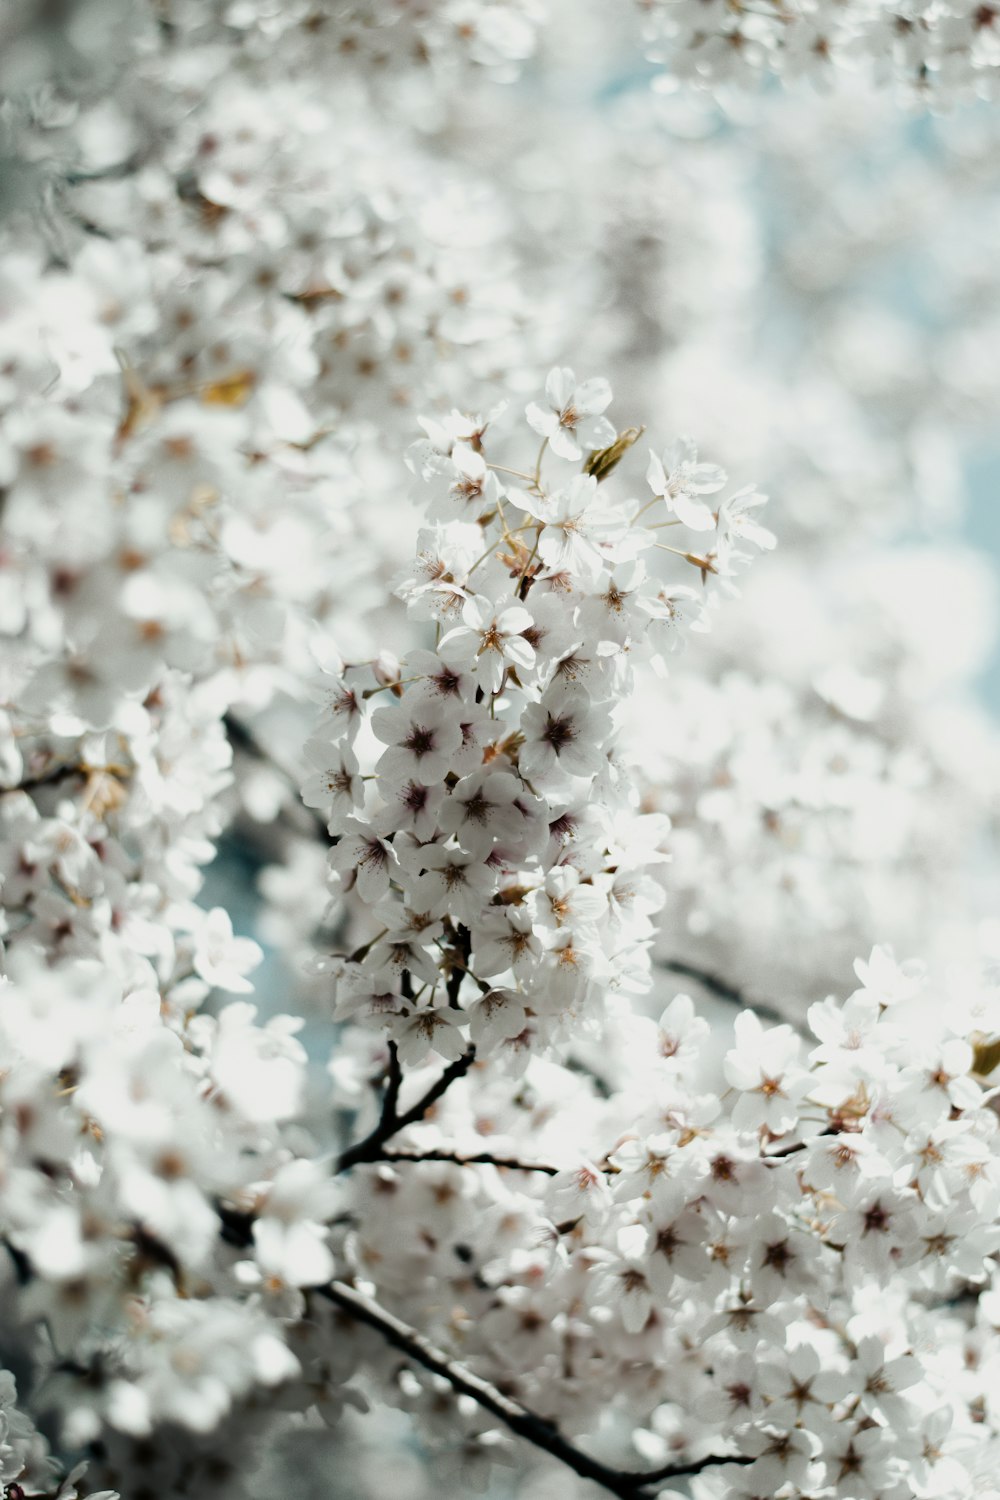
(461, 1107)
(572, 422)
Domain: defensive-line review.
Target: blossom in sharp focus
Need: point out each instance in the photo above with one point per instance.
(571, 420)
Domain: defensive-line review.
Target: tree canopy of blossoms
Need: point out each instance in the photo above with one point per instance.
(455, 839)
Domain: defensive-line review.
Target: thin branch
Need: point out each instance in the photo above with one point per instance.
(459, 969)
(112, 173)
(394, 1082)
(390, 1120)
(516, 1164)
(537, 1430)
(481, 1158)
(237, 1229)
(719, 987)
(61, 771)
(600, 1085)
(370, 1149)
(967, 1296)
(454, 1070)
(244, 738)
(89, 226)
(795, 1146)
(681, 1471)
(22, 1265)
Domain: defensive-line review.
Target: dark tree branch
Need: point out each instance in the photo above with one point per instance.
(22, 1265)
(601, 1085)
(394, 1082)
(481, 1158)
(243, 738)
(719, 987)
(237, 1230)
(115, 172)
(61, 771)
(89, 226)
(681, 1471)
(460, 968)
(833, 1128)
(370, 1149)
(527, 1424)
(391, 1121)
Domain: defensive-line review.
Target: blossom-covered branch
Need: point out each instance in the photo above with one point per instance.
(506, 899)
(457, 1162)
(542, 1434)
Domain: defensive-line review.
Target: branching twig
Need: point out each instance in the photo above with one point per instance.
(480, 1158)
(542, 1433)
(527, 1424)
(370, 1149)
(794, 1146)
(681, 1471)
(89, 226)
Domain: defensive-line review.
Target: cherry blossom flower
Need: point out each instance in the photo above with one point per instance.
(490, 641)
(765, 1068)
(336, 783)
(368, 857)
(578, 529)
(571, 421)
(422, 738)
(222, 959)
(452, 882)
(563, 734)
(499, 1015)
(622, 1283)
(473, 490)
(432, 1028)
(289, 1238)
(482, 807)
(678, 478)
(735, 521)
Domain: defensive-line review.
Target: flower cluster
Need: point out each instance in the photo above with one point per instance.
(784, 1255)
(144, 1123)
(941, 51)
(244, 244)
(796, 808)
(479, 810)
